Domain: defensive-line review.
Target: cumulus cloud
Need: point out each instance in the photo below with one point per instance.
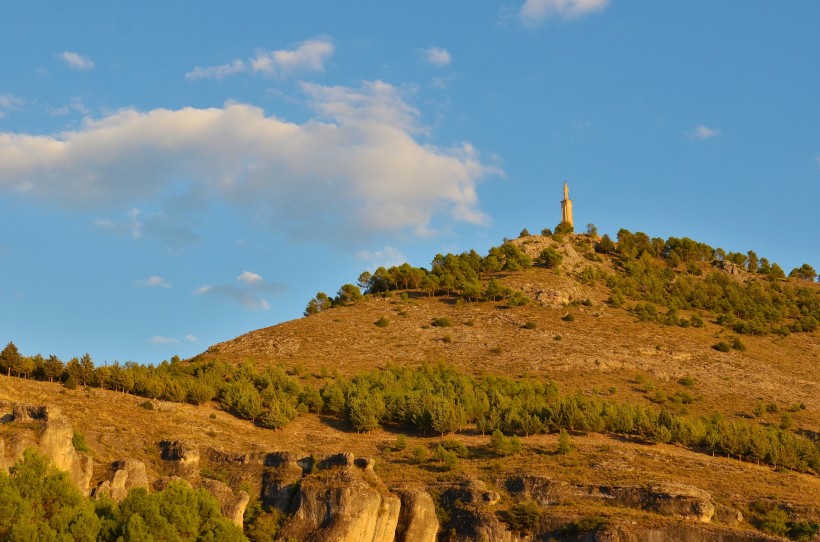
(154, 282)
(703, 132)
(190, 338)
(9, 102)
(357, 167)
(438, 56)
(77, 61)
(535, 11)
(158, 339)
(250, 290)
(217, 72)
(385, 257)
(308, 56)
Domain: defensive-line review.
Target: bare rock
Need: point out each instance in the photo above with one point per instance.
(57, 443)
(183, 455)
(344, 504)
(126, 474)
(25, 413)
(231, 504)
(417, 517)
(279, 482)
(681, 501)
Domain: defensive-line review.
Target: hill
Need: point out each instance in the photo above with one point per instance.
(562, 385)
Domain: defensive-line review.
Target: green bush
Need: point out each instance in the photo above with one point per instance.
(441, 322)
(524, 517)
(382, 322)
(722, 346)
(79, 442)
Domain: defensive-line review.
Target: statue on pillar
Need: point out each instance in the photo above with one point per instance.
(566, 207)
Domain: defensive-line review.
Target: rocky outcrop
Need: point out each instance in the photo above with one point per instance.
(54, 437)
(280, 482)
(473, 513)
(417, 517)
(675, 500)
(343, 502)
(182, 457)
(126, 474)
(231, 504)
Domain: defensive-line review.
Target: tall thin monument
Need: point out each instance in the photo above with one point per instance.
(566, 207)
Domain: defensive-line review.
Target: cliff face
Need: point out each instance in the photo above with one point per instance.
(46, 429)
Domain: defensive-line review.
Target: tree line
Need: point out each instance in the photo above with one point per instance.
(439, 400)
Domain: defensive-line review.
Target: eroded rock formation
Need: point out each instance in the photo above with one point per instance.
(344, 502)
(53, 435)
(125, 475)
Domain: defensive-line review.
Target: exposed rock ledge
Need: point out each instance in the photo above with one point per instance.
(53, 436)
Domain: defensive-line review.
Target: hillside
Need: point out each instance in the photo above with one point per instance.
(688, 385)
(601, 348)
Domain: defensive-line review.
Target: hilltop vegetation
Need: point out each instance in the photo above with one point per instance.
(664, 276)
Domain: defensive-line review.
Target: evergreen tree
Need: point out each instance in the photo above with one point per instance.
(10, 358)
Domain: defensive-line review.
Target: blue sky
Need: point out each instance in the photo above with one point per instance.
(174, 174)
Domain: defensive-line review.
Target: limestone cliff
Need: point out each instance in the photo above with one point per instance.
(45, 428)
(344, 502)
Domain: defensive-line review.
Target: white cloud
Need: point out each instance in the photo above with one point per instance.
(217, 72)
(154, 282)
(386, 257)
(77, 61)
(307, 56)
(534, 11)
(158, 339)
(702, 132)
(190, 338)
(9, 102)
(251, 291)
(249, 278)
(438, 56)
(359, 162)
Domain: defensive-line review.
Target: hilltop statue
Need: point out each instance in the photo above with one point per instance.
(566, 207)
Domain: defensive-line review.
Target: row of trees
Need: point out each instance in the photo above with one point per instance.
(450, 274)
(437, 400)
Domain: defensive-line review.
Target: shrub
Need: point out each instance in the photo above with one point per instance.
(147, 405)
(524, 517)
(419, 455)
(549, 258)
(568, 317)
(722, 346)
(401, 443)
(441, 322)
(79, 442)
(529, 325)
(687, 381)
(447, 459)
(456, 446)
(381, 322)
(564, 445)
